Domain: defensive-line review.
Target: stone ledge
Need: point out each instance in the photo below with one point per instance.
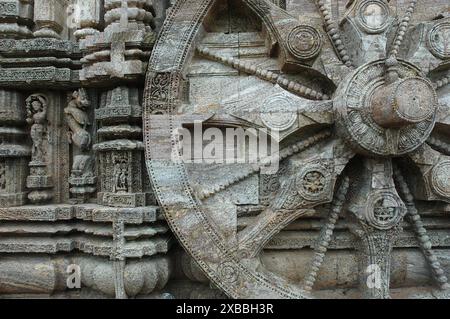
(88, 244)
(39, 77)
(89, 212)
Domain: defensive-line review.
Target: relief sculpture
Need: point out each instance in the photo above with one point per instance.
(37, 119)
(356, 116)
(225, 149)
(82, 177)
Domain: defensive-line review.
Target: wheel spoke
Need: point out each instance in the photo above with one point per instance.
(312, 185)
(332, 30)
(421, 233)
(376, 211)
(250, 170)
(292, 86)
(434, 182)
(320, 248)
(442, 82)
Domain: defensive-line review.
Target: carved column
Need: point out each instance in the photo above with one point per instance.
(121, 150)
(13, 151)
(49, 18)
(115, 60)
(16, 18)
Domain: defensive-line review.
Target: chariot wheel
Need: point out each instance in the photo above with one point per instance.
(338, 117)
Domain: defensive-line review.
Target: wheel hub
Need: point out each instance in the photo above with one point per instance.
(385, 119)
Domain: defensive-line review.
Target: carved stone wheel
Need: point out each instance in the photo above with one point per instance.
(359, 109)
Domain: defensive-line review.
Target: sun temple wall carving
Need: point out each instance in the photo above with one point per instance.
(73, 187)
(224, 148)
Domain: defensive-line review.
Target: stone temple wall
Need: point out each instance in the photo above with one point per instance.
(94, 93)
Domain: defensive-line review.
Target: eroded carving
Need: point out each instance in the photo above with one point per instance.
(376, 121)
(439, 39)
(38, 180)
(345, 104)
(304, 42)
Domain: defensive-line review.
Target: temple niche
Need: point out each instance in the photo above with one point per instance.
(97, 201)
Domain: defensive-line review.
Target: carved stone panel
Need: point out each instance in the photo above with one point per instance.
(348, 115)
(224, 148)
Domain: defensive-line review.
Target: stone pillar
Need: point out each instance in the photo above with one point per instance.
(115, 60)
(16, 18)
(121, 150)
(49, 18)
(13, 151)
(87, 17)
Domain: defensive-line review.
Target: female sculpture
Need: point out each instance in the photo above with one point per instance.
(36, 117)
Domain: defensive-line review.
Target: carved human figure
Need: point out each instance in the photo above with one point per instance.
(123, 179)
(120, 178)
(77, 119)
(37, 117)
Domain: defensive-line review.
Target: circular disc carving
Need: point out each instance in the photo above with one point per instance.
(440, 178)
(313, 183)
(276, 113)
(304, 42)
(384, 210)
(372, 16)
(227, 272)
(439, 40)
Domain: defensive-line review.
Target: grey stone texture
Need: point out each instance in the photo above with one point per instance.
(98, 99)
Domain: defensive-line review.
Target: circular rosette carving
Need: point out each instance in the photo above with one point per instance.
(373, 16)
(439, 40)
(440, 178)
(314, 183)
(358, 117)
(227, 272)
(384, 210)
(277, 114)
(304, 42)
